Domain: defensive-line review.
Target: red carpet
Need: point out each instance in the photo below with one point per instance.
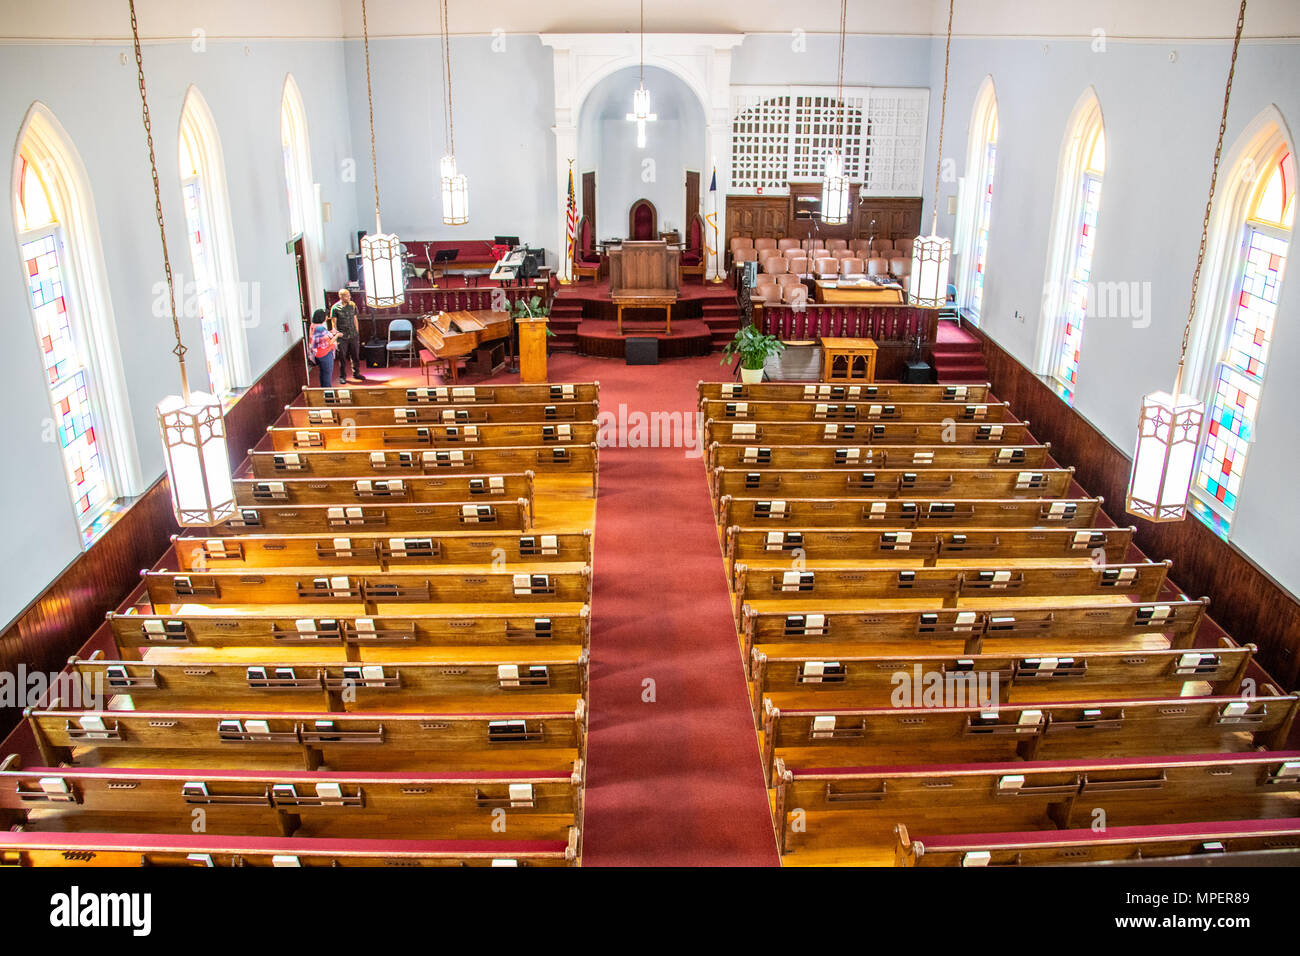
(675, 782)
(958, 355)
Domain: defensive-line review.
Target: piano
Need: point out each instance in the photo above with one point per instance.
(451, 336)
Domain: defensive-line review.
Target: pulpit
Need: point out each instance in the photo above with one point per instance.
(532, 350)
(644, 275)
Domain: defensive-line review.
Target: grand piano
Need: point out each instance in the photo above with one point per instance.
(452, 336)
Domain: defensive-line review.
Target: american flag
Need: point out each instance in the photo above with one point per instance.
(572, 224)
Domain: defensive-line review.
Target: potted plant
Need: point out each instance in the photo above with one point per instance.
(754, 349)
(533, 308)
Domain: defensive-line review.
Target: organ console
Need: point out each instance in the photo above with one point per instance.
(450, 336)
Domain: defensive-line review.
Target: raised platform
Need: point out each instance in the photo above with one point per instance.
(587, 303)
(599, 337)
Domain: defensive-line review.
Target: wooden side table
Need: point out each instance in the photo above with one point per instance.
(642, 301)
(848, 360)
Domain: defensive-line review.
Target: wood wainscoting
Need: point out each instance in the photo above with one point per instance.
(54, 625)
(1245, 600)
(773, 217)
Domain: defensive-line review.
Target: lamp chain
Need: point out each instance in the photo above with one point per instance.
(446, 60)
(839, 88)
(370, 102)
(179, 349)
(943, 114)
(1209, 202)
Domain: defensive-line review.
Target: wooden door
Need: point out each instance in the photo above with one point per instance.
(589, 200)
(692, 199)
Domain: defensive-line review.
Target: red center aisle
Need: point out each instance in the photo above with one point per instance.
(676, 782)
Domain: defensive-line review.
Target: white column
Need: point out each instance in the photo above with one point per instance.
(566, 149)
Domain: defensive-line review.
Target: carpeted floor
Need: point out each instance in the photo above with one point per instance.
(674, 780)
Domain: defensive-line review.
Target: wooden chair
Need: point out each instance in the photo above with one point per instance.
(693, 261)
(643, 221)
(586, 260)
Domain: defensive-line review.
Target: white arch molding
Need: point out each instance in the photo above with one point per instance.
(50, 149)
(984, 118)
(701, 61)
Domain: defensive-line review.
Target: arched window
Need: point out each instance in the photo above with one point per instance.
(977, 197)
(63, 262)
(1072, 245)
(213, 292)
(304, 207)
(1245, 261)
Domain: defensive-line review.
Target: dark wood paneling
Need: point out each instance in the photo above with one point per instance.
(772, 217)
(1246, 602)
(66, 613)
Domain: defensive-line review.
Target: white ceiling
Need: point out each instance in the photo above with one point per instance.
(107, 21)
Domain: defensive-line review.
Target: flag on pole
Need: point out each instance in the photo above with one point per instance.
(712, 217)
(571, 225)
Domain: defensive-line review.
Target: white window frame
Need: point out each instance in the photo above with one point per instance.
(984, 119)
(1085, 119)
(47, 146)
(302, 192)
(1212, 321)
(197, 123)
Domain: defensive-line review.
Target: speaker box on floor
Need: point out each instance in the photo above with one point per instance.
(372, 353)
(641, 351)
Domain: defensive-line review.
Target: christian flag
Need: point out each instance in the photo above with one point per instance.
(571, 225)
(712, 217)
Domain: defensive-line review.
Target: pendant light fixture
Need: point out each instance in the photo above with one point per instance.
(641, 98)
(192, 425)
(381, 255)
(931, 255)
(455, 187)
(835, 186)
(1169, 424)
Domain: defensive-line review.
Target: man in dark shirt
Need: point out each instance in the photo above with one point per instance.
(343, 319)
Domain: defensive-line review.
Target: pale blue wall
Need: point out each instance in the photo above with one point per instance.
(1161, 120)
(95, 98)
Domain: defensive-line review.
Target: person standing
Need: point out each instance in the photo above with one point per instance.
(343, 320)
(323, 345)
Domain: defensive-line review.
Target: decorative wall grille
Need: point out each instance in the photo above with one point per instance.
(781, 134)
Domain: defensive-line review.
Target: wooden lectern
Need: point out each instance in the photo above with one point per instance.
(644, 275)
(532, 350)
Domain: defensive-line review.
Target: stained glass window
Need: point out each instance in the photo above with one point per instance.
(74, 422)
(982, 229)
(1079, 271)
(1239, 374)
(202, 294)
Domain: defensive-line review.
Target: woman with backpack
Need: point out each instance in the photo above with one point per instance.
(323, 343)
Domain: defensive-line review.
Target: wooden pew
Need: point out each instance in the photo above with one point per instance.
(460, 395)
(515, 739)
(203, 850)
(256, 492)
(808, 679)
(916, 513)
(847, 433)
(541, 804)
(347, 517)
(1020, 630)
(134, 634)
(893, 482)
(1234, 843)
(925, 545)
(845, 812)
(948, 585)
(912, 736)
(385, 437)
(379, 551)
(751, 455)
(275, 680)
(867, 411)
(167, 590)
(309, 416)
(548, 460)
(798, 392)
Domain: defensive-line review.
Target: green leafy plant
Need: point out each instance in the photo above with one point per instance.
(753, 347)
(533, 308)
